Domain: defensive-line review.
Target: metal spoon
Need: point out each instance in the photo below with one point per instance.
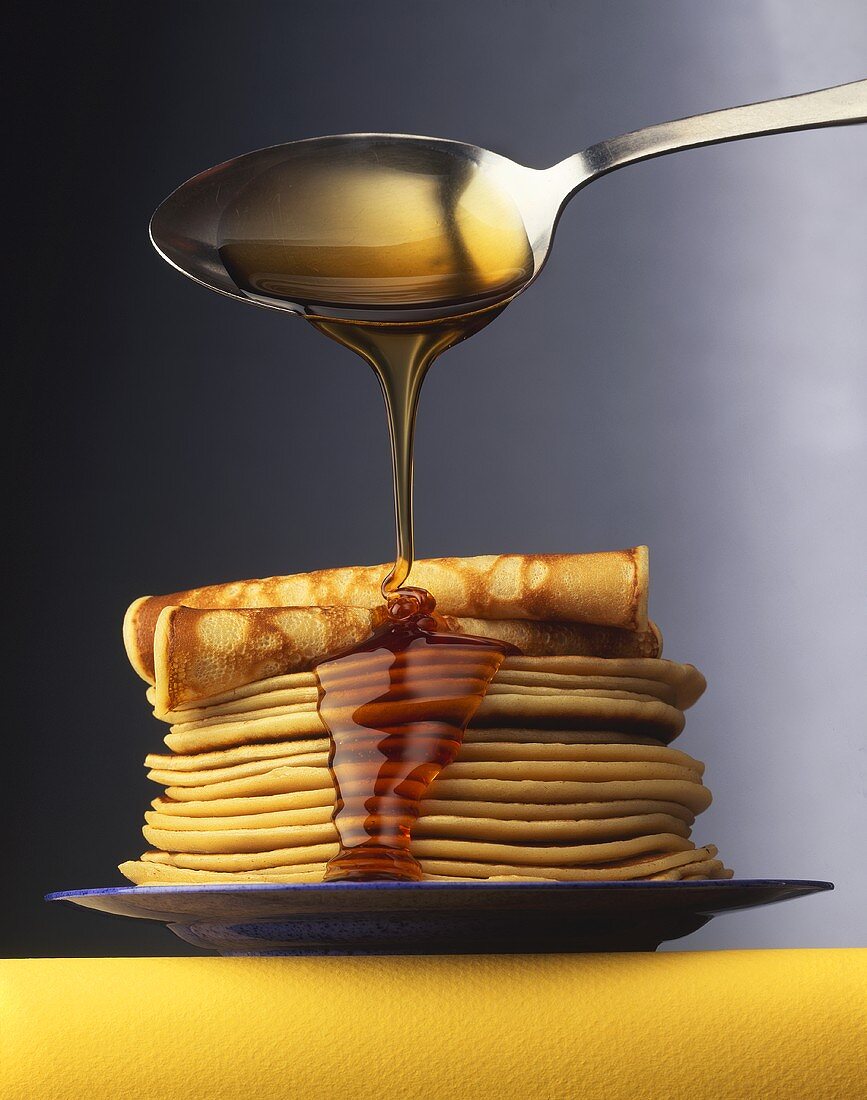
(395, 228)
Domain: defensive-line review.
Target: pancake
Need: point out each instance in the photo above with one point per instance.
(239, 771)
(203, 652)
(215, 809)
(282, 780)
(610, 872)
(558, 737)
(237, 841)
(239, 851)
(685, 682)
(247, 861)
(478, 745)
(508, 706)
(300, 799)
(145, 872)
(565, 771)
(509, 830)
(162, 867)
(237, 754)
(572, 764)
(296, 723)
(605, 589)
(690, 794)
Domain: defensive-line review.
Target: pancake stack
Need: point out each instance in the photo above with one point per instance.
(565, 771)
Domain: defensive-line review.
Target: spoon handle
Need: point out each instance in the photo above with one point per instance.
(840, 106)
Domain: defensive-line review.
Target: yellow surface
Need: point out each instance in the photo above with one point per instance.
(766, 1024)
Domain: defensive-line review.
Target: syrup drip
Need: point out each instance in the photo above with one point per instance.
(401, 356)
(396, 708)
(397, 255)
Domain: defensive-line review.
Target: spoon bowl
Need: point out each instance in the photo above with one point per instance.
(395, 228)
(376, 227)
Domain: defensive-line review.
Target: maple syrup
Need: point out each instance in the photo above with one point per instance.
(398, 261)
(401, 356)
(396, 708)
(375, 231)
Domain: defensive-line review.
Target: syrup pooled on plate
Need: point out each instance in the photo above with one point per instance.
(396, 708)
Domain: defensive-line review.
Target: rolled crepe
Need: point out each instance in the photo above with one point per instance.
(202, 653)
(605, 589)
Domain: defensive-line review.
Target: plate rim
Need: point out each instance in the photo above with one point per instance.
(157, 889)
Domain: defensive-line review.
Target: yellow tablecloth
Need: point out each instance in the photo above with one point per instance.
(752, 1024)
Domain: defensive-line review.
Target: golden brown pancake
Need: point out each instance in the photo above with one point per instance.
(565, 771)
(605, 589)
(200, 653)
(155, 867)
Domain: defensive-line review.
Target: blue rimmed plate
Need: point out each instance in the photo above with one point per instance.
(427, 918)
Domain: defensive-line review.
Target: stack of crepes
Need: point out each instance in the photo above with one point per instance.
(565, 771)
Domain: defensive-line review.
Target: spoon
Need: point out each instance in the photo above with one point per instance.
(390, 228)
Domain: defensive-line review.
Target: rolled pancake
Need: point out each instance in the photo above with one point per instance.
(200, 653)
(236, 700)
(605, 589)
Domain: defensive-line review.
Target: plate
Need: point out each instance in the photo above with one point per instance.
(436, 918)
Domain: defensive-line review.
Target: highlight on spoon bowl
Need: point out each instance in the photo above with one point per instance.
(367, 226)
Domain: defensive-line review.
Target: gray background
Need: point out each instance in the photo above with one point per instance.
(688, 372)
